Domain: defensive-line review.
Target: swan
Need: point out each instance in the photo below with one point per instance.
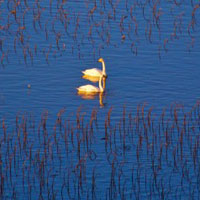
(94, 72)
(85, 89)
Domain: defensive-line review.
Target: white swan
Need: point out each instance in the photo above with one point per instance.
(91, 88)
(96, 72)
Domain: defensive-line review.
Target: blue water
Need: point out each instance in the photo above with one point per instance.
(159, 74)
(132, 78)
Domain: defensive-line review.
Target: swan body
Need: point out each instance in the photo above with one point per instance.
(91, 88)
(96, 72)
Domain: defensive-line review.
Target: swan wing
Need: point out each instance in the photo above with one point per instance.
(92, 72)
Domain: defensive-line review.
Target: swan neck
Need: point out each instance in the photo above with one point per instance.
(100, 86)
(104, 67)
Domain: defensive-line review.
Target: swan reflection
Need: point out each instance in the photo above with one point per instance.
(95, 79)
(91, 78)
(92, 96)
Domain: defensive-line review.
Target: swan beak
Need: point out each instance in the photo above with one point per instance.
(105, 76)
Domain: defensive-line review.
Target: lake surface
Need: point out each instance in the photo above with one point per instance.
(151, 51)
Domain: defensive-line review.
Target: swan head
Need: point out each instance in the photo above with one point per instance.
(100, 60)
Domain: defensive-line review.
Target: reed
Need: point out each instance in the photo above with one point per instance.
(59, 24)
